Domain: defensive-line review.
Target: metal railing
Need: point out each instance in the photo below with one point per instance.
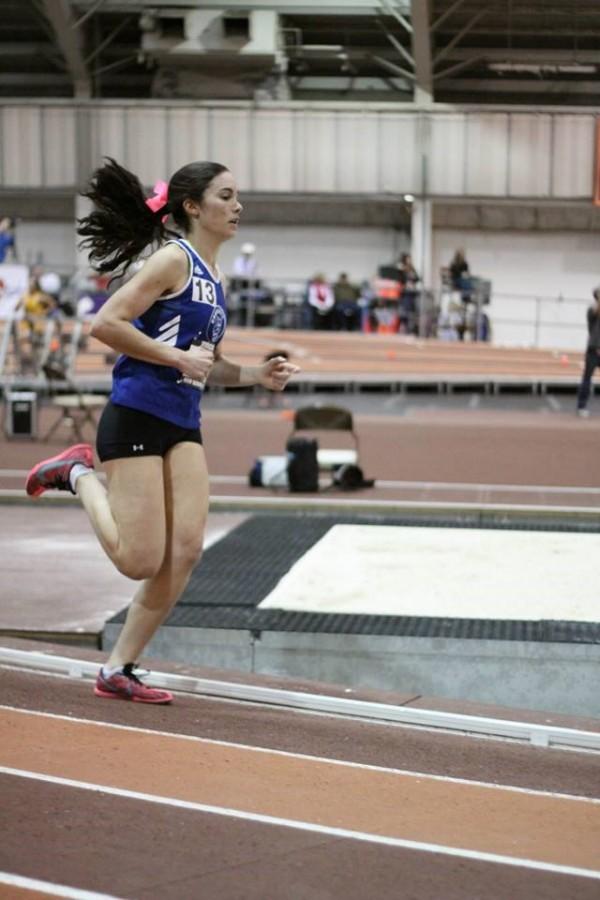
(513, 319)
(538, 321)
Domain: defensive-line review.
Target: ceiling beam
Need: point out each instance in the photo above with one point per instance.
(448, 12)
(59, 14)
(393, 9)
(421, 45)
(520, 86)
(458, 37)
(295, 7)
(457, 67)
(399, 47)
(393, 68)
(527, 54)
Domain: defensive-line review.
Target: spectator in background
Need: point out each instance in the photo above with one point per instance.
(321, 301)
(592, 355)
(407, 307)
(38, 306)
(51, 284)
(460, 281)
(245, 265)
(90, 290)
(346, 310)
(7, 240)
(459, 274)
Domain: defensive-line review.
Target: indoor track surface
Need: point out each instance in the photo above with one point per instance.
(221, 799)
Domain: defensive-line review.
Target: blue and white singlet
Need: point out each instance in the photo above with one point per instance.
(195, 313)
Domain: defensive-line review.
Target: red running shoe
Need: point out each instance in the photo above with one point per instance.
(54, 472)
(127, 686)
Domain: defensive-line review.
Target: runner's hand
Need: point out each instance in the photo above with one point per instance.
(275, 373)
(197, 362)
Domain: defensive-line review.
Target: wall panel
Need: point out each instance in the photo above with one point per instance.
(399, 158)
(146, 143)
(486, 154)
(188, 138)
(446, 159)
(107, 127)
(231, 143)
(356, 153)
(573, 156)
(59, 142)
(530, 148)
(22, 146)
(273, 151)
(315, 148)
(299, 148)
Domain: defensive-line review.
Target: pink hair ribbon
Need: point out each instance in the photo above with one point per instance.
(160, 198)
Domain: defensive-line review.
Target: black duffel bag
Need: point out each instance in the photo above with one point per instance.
(302, 467)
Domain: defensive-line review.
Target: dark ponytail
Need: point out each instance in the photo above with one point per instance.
(121, 225)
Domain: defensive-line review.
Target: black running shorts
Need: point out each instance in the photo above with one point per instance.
(124, 432)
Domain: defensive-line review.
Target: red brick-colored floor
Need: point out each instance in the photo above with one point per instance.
(130, 847)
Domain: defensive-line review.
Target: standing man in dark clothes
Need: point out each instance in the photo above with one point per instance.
(592, 355)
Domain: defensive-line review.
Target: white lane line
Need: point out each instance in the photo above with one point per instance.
(47, 887)
(310, 826)
(348, 764)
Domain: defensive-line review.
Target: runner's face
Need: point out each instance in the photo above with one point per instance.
(219, 212)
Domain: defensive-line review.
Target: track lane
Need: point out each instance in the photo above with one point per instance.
(364, 742)
(385, 804)
(174, 854)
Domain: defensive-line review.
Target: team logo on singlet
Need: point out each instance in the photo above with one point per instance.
(204, 291)
(216, 326)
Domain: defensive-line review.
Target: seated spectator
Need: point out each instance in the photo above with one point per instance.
(90, 291)
(7, 240)
(321, 301)
(245, 265)
(383, 309)
(347, 310)
(366, 300)
(51, 284)
(38, 306)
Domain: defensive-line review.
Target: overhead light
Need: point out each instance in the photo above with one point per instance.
(320, 50)
(544, 68)
(409, 198)
(325, 48)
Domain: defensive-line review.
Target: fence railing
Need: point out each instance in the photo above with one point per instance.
(515, 319)
(539, 321)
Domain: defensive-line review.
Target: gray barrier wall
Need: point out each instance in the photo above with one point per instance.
(296, 147)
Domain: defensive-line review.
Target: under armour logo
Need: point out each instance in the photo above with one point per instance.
(138, 447)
